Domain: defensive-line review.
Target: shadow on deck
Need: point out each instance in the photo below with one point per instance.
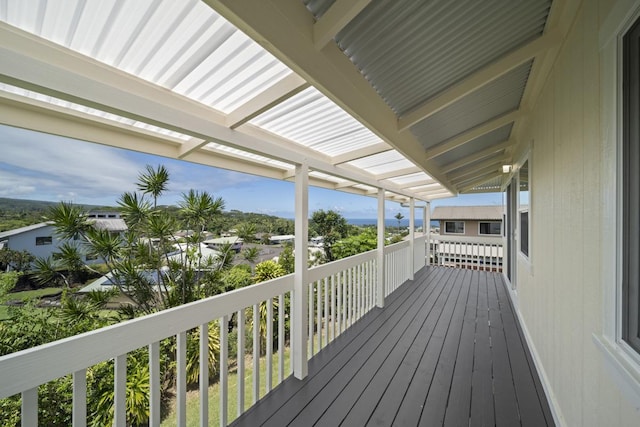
(446, 350)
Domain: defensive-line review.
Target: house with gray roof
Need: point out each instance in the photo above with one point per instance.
(473, 221)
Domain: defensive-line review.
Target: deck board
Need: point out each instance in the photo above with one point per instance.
(446, 350)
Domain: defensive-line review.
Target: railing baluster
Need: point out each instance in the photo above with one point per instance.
(204, 374)
(325, 284)
(120, 390)
(29, 408)
(79, 412)
(311, 320)
(240, 361)
(223, 385)
(269, 349)
(280, 338)
(181, 386)
(318, 286)
(154, 384)
(256, 353)
(333, 307)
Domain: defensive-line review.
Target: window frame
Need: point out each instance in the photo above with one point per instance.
(621, 360)
(630, 186)
(453, 232)
(480, 233)
(524, 209)
(48, 240)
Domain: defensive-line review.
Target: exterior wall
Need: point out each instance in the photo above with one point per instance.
(27, 242)
(471, 228)
(560, 293)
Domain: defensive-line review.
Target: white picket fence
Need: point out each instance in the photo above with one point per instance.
(339, 293)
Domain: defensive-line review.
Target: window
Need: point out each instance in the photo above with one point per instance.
(523, 203)
(454, 227)
(490, 228)
(631, 187)
(42, 241)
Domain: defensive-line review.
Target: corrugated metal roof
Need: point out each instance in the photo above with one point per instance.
(412, 50)
(489, 101)
(467, 212)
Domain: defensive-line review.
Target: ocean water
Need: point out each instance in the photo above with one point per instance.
(389, 222)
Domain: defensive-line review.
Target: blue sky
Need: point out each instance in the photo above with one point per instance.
(39, 166)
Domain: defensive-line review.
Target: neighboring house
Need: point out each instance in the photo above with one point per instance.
(470, 236)
(485, 221)
(285, 238)
(38, 239)
(219, 243)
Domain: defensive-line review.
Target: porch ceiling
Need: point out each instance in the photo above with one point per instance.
(420, 99)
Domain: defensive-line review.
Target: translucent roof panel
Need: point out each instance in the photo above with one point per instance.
(313, 120)
(250, 156)
(386, 162)
(182, 45)
(406, 180)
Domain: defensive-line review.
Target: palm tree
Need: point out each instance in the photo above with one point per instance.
(399, 217)
(251, 255)
(154, 182)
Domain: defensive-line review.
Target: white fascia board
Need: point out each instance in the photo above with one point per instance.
(36, 64)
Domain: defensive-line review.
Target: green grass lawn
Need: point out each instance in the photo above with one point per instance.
(26, 295)
(193, 397)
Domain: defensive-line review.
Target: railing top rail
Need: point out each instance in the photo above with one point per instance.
(486, 240)
(325, 270)
(25, 369)
(397, 246)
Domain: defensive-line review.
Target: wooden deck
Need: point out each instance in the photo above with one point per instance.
(446, 350)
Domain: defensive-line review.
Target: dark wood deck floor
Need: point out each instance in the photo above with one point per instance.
(446, 350)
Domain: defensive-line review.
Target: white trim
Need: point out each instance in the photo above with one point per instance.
(621, 361)
(554, 406)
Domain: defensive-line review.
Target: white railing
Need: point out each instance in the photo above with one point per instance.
(398, 265)
(476, 253)
(339, 293)
(24, 371)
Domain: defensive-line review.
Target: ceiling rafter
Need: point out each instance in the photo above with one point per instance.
(398, 172)
(360, 153)
(473, 133)
(422, 182)
(36, 64)
(456, 176)
(190, 146)
(285, 28)
(335, 19)
(478, 79)
(269, 98)
(479, 181)
(476, 156)
(493, 169)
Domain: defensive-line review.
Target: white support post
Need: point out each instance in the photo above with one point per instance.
(300, 304)
(412, 237)
(426, 229)
(380, 259)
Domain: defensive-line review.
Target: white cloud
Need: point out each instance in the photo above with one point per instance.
(48, 166)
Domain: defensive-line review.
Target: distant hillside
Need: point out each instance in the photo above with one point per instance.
(16, 213)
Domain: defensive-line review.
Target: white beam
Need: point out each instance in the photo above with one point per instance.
(476, 156)
(367, 151)
(190, 146)
(33, 63)
(422, 182)
(285, 28)
(264, 101)
(480, 180)
(473, 133)
(481, 77)
(335, 19)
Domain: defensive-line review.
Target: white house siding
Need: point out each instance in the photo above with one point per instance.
(26, 241)
(560, 293)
